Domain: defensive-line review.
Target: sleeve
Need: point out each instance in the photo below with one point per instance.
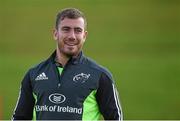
(108, 100)
(25, 104)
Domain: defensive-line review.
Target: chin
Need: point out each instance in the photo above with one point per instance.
(71, 53)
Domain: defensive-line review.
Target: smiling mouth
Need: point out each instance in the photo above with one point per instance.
(71, 44)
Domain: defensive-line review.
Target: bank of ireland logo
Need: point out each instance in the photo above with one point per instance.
(82, 77)
(57, 98)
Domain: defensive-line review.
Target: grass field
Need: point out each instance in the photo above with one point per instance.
(138, 41)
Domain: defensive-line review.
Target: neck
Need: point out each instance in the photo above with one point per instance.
(61, 58)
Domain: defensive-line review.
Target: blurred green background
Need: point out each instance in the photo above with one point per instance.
(137, 40)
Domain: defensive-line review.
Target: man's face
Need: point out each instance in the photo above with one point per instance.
(70, 36)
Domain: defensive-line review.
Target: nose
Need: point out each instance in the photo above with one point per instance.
(72, 35)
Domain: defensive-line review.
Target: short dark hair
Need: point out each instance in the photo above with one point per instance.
(72, 13)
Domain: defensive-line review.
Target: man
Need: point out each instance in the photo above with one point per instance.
(68, 85)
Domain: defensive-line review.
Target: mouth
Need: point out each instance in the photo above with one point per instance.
(71, 43)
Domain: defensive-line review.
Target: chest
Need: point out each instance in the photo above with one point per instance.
(75, 82)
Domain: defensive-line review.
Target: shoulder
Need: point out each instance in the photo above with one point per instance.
(94, 65)
(40, 67)
(43, 64)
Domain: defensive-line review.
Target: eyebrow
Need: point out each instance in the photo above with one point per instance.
(72, 28)
(65, 27)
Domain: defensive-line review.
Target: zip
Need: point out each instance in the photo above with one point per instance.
(62, 73)
(58, 76)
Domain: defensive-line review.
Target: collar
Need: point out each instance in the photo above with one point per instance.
(72, 60)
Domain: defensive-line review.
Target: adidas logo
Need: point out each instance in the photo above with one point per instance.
(41, 76)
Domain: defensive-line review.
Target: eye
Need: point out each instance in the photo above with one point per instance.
(65, 29)
(78, 30)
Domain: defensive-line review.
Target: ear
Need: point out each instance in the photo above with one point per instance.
(85, 35)
(55, 34)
